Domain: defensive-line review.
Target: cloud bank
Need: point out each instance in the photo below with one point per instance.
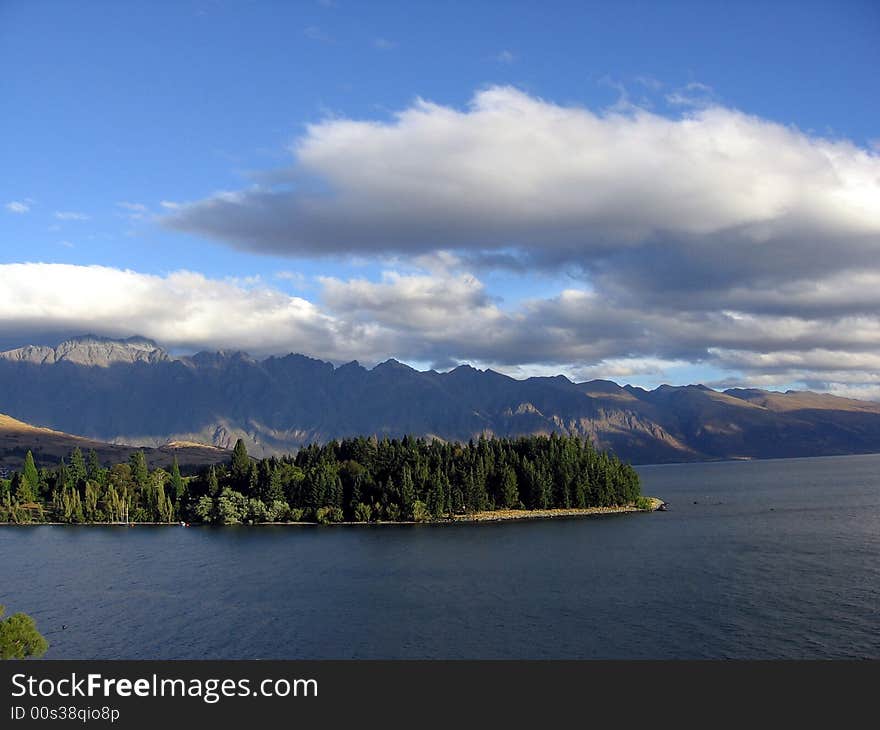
(712, 237)
(443, 317)
(564, 186)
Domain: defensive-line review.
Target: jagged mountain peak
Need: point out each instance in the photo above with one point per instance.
(280, 403)
(393, 365)
(90, 350)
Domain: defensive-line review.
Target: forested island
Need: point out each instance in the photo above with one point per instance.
(354, 480)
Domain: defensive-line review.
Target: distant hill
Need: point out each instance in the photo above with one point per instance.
(132, 392)
(49, 447)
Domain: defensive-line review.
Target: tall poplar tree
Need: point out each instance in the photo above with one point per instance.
(178, 486)
(30, 475)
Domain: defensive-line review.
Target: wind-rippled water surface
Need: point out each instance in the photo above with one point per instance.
(770, 559)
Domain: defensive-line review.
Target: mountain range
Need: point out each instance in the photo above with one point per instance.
(133, 392)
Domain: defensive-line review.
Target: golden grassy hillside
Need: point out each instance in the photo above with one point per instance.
(49, 446)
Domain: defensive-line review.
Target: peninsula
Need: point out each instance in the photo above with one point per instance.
(359, 480)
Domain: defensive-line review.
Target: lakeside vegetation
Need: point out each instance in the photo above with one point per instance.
(353, 480)
(19, 638)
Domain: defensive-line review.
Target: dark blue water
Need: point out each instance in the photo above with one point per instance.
(765, 559)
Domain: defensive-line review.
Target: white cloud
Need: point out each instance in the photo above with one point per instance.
(714, 237)
(134, 211)
(505, 57)
(717, 193)
(434, 307)
(649, 82)
(70, 215)
(133, 207)
(693, 94)
(442, 317)
(17, 206)
(183, 308)
(294, 276)
(858, 391)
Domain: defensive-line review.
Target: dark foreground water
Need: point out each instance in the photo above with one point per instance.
(754, 560)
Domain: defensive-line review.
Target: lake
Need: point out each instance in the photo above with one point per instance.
(769, 559)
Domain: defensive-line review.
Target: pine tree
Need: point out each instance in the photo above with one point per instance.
(436, 495)
(241, 465)
(139, 471)
(21, 490)
(93, 467)
(407, 492)
(252, 487)
(213, 484)
(510, 489)
(19, 637)
(396, 479)
(356, 495)
(77, 467)
(274, 491)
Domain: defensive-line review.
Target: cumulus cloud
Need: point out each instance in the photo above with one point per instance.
(715, 220)
(181, 309)
(712, 237)
(443, 317)
(17, 206)
(558, 183)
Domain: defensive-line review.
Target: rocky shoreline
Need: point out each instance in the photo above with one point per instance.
(501, 515)
(547, 514)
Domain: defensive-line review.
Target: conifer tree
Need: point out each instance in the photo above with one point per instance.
(510, 489)
(19, 637)
(407, 492)
(21, 489)
(213, 483)
(275, 491)
(241, 465)
(139, 471)
(93, 467)
(77, 467)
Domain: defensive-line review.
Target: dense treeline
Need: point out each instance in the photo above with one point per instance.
(360, 479)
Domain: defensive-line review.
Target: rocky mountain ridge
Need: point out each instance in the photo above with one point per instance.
(133, 392)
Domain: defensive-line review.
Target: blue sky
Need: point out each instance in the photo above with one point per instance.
(112, 108)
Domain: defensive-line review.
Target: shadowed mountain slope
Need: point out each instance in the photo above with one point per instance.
(132, 392)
